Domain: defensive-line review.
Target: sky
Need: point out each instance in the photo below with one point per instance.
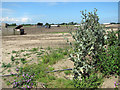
(56, 12)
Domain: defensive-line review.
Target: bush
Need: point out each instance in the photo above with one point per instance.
(112, 39)
(54, 56)
(88, 41)
(93, 81)
(108, 61)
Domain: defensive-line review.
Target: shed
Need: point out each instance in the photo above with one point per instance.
(19, 28)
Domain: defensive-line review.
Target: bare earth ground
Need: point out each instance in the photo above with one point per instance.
(41, 37)
(35, 37)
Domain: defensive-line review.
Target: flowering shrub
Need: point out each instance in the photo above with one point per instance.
(116, 85)
(25, 80)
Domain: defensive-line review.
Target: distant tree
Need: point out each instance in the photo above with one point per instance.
(39, 24)
(75, 23)
(112, 23)
(71, 23)
(63, 24)
(26, 24)
(13, 24)
(47, 24)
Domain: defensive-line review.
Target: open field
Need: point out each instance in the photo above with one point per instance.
(35, 37)
(41, 37)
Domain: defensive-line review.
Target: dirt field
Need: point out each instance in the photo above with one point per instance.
(37, 37)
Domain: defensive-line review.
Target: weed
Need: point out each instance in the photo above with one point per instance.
(22, 50)
(49, 48)
(23, 60)
(93, 81)
(52, 58)
(27, 54)
(61, 83)
(9, 70)
(107, 62)
(12, 58)
(14, 51)
(51, 68)
(68, 72)
(8, 82)
(39, 53)
(6, 65)
(16, 55)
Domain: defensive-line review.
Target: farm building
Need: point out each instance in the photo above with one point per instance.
(54, 25)
(106, 23)
(76, 25)
(10, 31)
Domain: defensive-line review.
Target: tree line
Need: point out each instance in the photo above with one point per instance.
(40, 24)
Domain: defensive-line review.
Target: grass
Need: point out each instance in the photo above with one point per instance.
(40, 72)
(67, 72)
(50, 57)
(61, 83)
(54, 56)
(47, 57)
(48, 79)
(14, 51)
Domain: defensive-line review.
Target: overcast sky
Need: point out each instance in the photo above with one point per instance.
(56, 12)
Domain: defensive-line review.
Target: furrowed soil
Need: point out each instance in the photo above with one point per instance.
(36, 37)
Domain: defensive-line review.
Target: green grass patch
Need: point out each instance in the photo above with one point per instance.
(54, 56)
(14, 51)
(67, 72)
(93, 81)
(40, 72)
(61, 83)
(22, 50)
(49, 56)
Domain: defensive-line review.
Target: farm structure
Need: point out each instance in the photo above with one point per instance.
(10, 30)
(76, 25)
(55, 25)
